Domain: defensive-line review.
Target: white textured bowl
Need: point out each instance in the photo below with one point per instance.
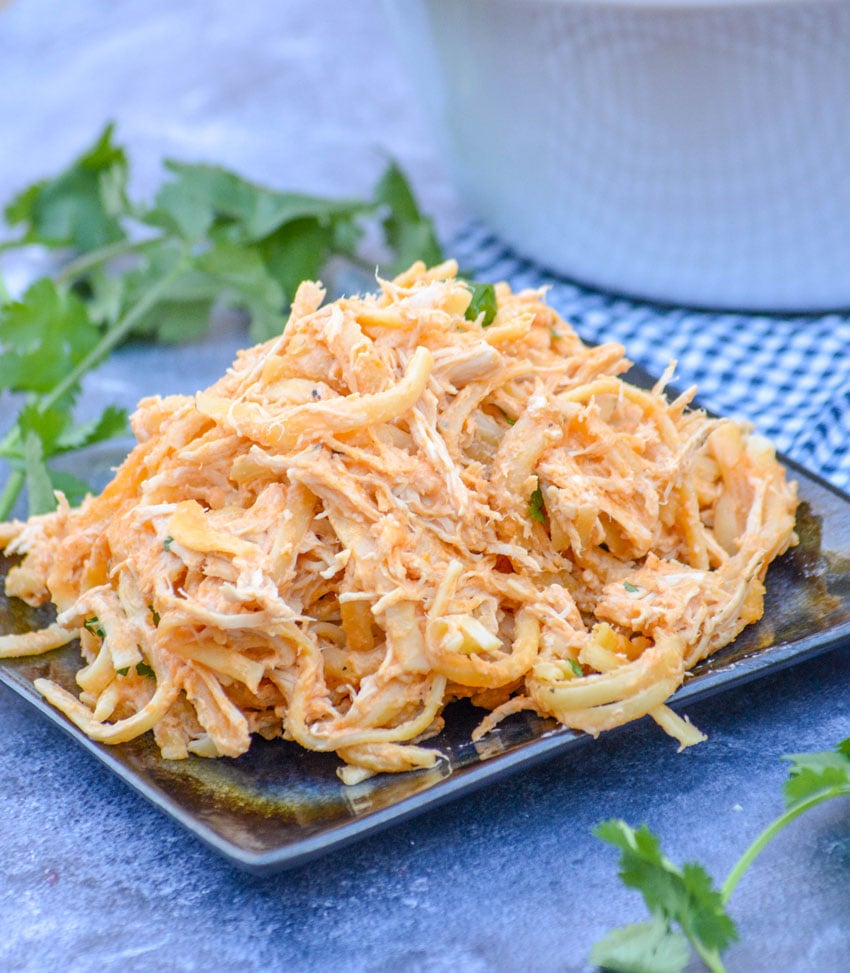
(690, 152)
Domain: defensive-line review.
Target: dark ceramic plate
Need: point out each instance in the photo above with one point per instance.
(279, 805)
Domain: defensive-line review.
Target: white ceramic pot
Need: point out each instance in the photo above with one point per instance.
(689, 152)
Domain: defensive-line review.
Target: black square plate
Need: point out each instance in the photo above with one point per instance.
(279, 805)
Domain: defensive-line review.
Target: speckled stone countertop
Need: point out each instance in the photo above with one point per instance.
(309, 96)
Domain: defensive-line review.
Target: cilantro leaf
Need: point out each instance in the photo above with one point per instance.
(83, 206)
(243, 281)
(223, 275)
(42, 337)
(684, 895)
(297, 251)
(182, 310)
(258, 244)
(182, 206)
(812, 774)
(210, 201)
(483, 302)
(103, 293)
(408, 232)
(42, 433)
(704, 918)
(57, 434)
(75, 490)
(47, 425)
(646, 947)
(110, 423)
(39, 484)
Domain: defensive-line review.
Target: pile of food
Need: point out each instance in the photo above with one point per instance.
(400, 502)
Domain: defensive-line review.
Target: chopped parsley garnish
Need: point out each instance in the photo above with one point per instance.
(143, 669)
(168, 542)
(154, 615)
(576, 667)
(93, 625)
(630, 587)
(123, 671)
(536, 507)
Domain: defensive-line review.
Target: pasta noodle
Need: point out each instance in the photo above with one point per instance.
(394, 505)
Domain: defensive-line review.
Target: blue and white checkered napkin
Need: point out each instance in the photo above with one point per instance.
(789, 375)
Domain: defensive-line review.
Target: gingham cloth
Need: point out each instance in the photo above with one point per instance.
(789, 375)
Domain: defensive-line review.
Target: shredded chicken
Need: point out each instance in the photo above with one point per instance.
(394, 505)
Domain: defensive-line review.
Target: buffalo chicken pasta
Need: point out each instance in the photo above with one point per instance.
(397, 503)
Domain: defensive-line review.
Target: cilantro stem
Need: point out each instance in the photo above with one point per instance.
(110, 339)
(710, 957)
(10, 493)
(102, 255)
(113, 336)
(772, 830)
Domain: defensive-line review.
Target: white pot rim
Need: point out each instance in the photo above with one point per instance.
(676, 6)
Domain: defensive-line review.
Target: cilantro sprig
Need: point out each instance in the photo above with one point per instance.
(683, 897)
(687, 910)
(208, 238)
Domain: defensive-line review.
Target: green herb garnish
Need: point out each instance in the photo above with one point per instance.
(483, 302)
(47, 342)
(536, 507)
(143, 669)
(630, 587)
(93, 625)
(208, 238)
(576, 667)
(683, 897)
(168, 542)
(408, 232)
(82, 207)
(154, 615)
(688, 912)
